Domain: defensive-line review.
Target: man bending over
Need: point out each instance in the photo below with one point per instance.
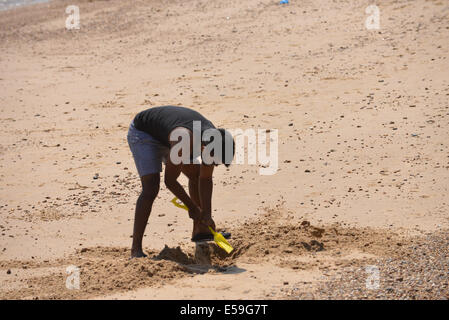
(176, 135)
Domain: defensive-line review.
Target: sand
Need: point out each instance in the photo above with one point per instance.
(363, 148)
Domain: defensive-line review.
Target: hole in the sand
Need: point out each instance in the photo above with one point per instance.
(207, 256)
(234, 270)
(175, 255)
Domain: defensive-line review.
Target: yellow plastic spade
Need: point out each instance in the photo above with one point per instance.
(179, 204)
(221, 241)
(218, 237)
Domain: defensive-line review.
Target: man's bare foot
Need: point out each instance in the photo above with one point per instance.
(138, 254)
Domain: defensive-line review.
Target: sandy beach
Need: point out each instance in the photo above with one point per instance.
(362, 117)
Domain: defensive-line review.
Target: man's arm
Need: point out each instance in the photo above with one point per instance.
(172, 173)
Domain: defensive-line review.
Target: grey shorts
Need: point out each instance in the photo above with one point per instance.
(148, 152)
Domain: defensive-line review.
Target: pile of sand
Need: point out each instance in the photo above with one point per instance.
(105, 270)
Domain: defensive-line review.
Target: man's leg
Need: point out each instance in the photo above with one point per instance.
(193, 191)
(150, 189)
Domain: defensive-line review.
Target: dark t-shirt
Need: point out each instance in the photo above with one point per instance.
(160, 121)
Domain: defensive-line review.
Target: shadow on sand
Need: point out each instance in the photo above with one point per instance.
(207, 256)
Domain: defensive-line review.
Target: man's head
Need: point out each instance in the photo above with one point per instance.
(219, 147)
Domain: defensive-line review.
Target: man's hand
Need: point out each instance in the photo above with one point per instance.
(195, 213)
(208, 221)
